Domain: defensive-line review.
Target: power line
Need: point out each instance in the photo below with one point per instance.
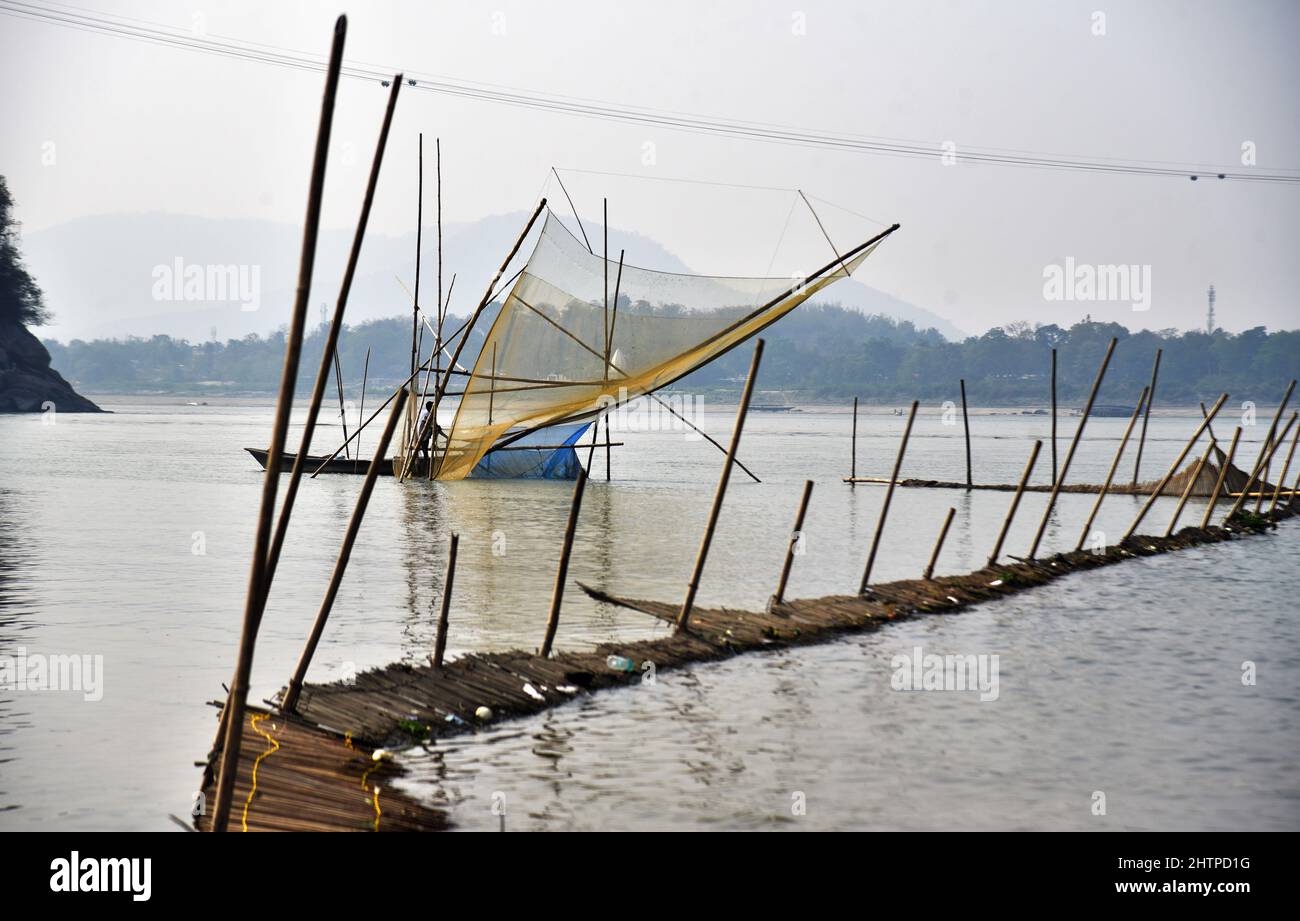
(154, 33)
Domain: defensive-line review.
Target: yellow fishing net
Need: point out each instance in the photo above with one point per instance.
(555, 354)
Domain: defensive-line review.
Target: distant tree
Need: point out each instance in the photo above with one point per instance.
(20, 297)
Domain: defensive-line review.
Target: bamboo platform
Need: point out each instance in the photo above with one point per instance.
(309, 779)
(322, 774)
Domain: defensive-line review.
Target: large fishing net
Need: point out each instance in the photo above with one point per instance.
(556, 353)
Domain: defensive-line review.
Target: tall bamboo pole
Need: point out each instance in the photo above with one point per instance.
(440, 641)
(1187, 491)
(411, 409)
(1054, 473)
(853, 446)
(1223, 475)
(938, 545)
(889, 495)
(331, 342)
(1286, 468)
(1173, 468)
(683, 616)
(482, 305)
(236, 703)
(965, 423)
(1015, 503)
(1151, 398)
(1114, 465)
(562, 571)
(796, 534)
(1259, 466)
(1074, 444)
(290, 699)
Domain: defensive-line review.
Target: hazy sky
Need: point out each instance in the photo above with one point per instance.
(136, 127)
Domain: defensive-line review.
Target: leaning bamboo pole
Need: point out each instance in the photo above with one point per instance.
(796, 535)
(683, 616)
(1173, 468)
(938, 545)
(1187, 490)
(440, 641)
(237, 700)
(1151, 398)
(330, 350)
(290, 700)
(1286, 468)
(1114, 465)
(562, 571)
(1272, 433)
(1223, 475)
(1259, 466)
(1015, 503)
(1074, 444)
(889, 495)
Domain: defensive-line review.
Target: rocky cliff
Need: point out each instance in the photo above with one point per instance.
(27, 382)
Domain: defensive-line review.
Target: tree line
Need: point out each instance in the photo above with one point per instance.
(817, 353)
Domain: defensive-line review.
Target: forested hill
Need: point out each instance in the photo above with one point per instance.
(818, 352)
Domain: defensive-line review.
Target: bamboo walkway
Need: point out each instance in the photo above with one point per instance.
(316, 770)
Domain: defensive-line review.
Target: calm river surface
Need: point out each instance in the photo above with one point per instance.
(127, 536)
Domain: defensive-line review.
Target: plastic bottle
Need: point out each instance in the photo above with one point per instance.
(620, 663)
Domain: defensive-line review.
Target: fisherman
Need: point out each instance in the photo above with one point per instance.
(426, 427)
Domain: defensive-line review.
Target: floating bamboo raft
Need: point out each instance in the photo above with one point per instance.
(1205, 479)
(321, 773)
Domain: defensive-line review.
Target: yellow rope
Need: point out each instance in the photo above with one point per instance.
(366, 776)
(274, 747)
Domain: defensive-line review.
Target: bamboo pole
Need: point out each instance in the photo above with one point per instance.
(889, 495)
(1151, 398)
(1074, 444)
(440, 641)
(938, 545)
(1173, 468)
(338, 383)
(411, 410)
(1272, 433)
(331, 343)
(703, 434)
(965, 422)
(1187, 491)
(1223, 475)
(562, 572)
(361, 410)
(236, 703)
(1114, 465)
(683, 616)
(482, 305)
(437, 335)
(1054, 473)
(1286, 468)
(290, 700)
(609, 343)
(853, 446)
(795, 535)
(1259, 465)
(1015, 504)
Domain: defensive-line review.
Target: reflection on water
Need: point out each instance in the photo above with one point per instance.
(127, 536)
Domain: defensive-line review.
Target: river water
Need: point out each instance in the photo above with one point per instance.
(127, 536)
